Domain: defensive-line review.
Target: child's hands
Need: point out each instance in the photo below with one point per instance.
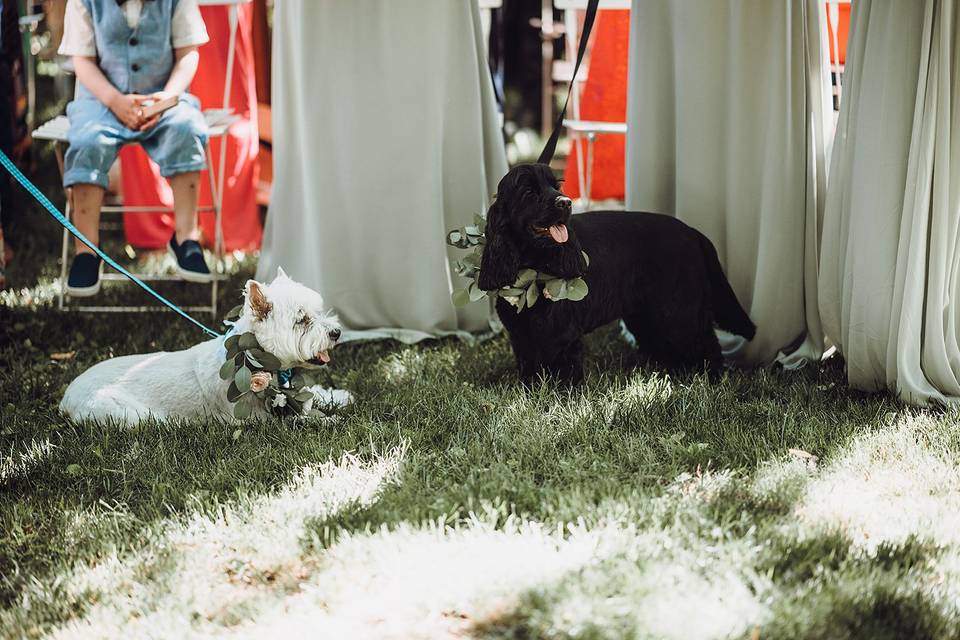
(128, 109)
(155, 97)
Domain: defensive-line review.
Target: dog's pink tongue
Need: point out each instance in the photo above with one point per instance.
(324, 357)
(559, 233)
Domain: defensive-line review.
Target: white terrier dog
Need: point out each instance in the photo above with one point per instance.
(289, 322)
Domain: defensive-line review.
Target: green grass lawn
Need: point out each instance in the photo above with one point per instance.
(450, 502)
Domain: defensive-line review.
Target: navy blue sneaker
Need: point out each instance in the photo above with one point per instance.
(85, 272)
(190, 263)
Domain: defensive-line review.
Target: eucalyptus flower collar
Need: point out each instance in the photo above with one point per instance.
(256, 377)
(529, 286)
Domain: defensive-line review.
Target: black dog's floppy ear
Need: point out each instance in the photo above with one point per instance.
(501, 257)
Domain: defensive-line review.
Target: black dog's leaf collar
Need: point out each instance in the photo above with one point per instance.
(529, 286)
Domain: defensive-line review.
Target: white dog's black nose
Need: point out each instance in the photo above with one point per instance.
(334, 334)
(564, 202)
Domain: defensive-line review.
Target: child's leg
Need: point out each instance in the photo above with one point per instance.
(95, 138)
(176, 143)
(186, 192)
(87, 199)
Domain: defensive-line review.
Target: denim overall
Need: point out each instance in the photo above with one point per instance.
(135, 61)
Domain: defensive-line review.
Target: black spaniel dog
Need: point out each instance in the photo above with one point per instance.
(661, 277)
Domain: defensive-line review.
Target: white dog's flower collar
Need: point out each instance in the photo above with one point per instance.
(257, 379)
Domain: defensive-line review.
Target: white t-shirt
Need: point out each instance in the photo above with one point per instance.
(186, 30)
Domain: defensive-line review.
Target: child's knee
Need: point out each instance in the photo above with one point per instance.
(89, 157)
(185, 134)
(184, 124)
(179, 148)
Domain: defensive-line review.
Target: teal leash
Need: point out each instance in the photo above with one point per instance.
(52, 210)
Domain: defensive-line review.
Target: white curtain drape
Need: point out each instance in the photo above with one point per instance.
(730, 125)
(386, 135)
(891, 250)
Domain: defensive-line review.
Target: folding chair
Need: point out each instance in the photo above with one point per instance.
(56, 131)
(218, 123)
(562, 71)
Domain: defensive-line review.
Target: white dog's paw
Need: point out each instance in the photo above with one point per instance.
(324, 398)
(338, 397)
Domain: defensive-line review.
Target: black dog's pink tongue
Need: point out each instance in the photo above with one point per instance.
(559, 233)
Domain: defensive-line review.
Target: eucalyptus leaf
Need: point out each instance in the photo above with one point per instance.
(231, 342)
(460, 298)
(233, 352)
(253, 360)
(269, 361)
(454, 237)
(242, 379)
(577, 289)
(242, 410)
(226, 371)
(472, 230)
(521, 302)
(563, 290)
(533, 292)
(553, 288)
(586, 258)
(525, 277)
(475, 292)
(303, 396)
(233, 394)
(249, 341)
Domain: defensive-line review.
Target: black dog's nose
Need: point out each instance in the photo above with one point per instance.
(564, 202)
(335, 334)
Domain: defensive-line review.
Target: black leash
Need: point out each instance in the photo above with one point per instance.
(551, 147)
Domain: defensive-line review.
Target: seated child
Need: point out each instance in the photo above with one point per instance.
(126, 52)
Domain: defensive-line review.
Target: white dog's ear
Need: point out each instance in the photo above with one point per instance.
(260, 307)
(281, 273)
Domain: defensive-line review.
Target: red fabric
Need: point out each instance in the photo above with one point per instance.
(843, 28)
(142, 183)
(604, 98)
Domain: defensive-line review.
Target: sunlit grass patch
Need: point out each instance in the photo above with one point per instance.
(892, 484)
(16, 464)
(218, 567)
